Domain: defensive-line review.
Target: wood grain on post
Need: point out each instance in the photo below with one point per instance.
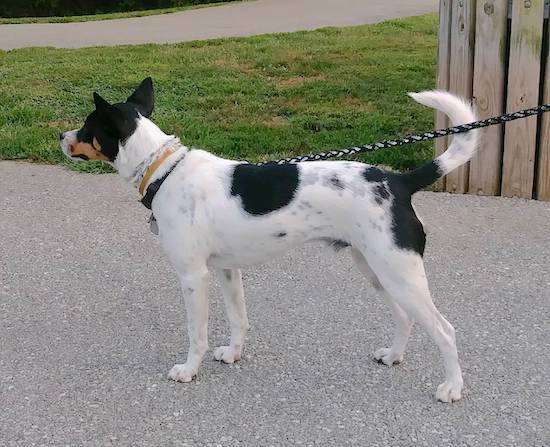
(443, 66)
(461, 72)
(488, 93)
(523, 91)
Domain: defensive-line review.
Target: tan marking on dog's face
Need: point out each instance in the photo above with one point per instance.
(86, 149)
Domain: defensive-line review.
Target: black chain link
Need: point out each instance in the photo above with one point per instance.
(414, 138)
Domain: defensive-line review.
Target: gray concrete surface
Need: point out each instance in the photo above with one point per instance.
(91, 320)
(234, 19)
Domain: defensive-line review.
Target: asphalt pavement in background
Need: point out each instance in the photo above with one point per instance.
(246, 18)
(91, 321)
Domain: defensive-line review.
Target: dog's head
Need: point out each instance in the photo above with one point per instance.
(109, 126)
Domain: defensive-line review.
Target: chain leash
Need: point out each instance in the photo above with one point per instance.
(413, 138)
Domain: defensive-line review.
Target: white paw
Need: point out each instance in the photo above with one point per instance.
(182, 373)
(227, 354)
(449, 391)
(387, 356)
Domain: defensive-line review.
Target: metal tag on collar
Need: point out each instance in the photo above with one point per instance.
(153, 224)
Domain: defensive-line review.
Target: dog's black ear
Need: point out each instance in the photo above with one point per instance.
(144, 97)
(113, 118)
(100, 104)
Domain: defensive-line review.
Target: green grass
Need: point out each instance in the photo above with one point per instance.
(107, 16)
(255, 98)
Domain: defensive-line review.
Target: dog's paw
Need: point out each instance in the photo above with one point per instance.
(387, 356)
(227, 354)
(449, 391)
(182, 373)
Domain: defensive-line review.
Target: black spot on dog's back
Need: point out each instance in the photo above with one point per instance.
(264, 189)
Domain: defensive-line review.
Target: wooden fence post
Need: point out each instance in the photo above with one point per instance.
(488, 93)
(523, 92)
(543, 180)
(461, 72)
(443, 66)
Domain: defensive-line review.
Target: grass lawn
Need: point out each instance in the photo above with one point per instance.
(254, 98)
(107, 16)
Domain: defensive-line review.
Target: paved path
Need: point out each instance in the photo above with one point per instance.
(91, 320)
(234, 19)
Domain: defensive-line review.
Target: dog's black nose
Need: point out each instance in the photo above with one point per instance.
(62, 135)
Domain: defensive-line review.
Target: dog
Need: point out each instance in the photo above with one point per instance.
(217, 214)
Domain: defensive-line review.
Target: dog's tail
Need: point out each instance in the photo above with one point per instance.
(462, 147)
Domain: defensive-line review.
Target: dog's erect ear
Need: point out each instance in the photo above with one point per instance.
(144, 97)
(116, 122)
(101, 105)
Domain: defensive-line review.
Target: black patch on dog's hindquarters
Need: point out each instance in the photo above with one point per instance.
(421, 177)
(264, 189)
(408, 232)
(380, 178)
(407, 229)
(381, 193)
(372, 174)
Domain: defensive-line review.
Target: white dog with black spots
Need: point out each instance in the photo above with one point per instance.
(224, 215)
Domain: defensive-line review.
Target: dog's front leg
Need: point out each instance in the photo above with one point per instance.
(233, 294)
(195, 293)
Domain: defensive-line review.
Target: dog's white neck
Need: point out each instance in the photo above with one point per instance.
(141, 149)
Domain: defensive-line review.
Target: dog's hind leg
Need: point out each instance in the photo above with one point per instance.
(402, 274)
(233, 294)
(195, 294)
(403, 323)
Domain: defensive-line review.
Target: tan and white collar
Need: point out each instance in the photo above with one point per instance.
(154, 166)
(147, 187)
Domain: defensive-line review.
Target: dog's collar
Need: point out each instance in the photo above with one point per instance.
(141, 169)
(152, 189)
(154, 166)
